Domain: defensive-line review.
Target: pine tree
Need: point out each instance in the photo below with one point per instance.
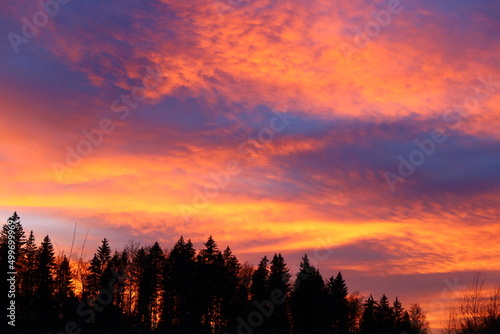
(211, 253)
(279, 282)
(384, 315)
(19, 239)
(118, 266)
(400, 316)
(27, 281)
(308, 300)
(99, 272)
(138, 274)
(260, 292)
(259, 289)
(64, 294)
(150, 285)
(29, 264)
(63, 283)
(233, 295)
(178, 296)
(339, 319)
(44, 299)
(44, 273)
(209, 275)
(368, 320)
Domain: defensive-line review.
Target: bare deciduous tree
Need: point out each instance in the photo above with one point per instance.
(476, 312)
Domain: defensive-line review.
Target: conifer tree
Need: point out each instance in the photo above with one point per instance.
(260, 292)
(64, 294)
(209, 275)
(178, 295)
(11, 253)
(368, 321)
(43, 302)
(44, 273)
(29, 264)
(384, 315)
(259, 289)
(339, 320)
(27, 281)
(118, 266)
(279, 282)
(63, 283)
(400, 317)
(150, 285)
(99, 272)
(308, 300)
(233, 293)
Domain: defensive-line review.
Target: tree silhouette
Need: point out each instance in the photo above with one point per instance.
(384, 316)
(260, 292)
(178, 297)
(44, 293)
(338, 317)
(279, 283)
(146, 290)
(99, 271)
(27, 280)
(150, 286)
(234, 295)
(308, 300)
(418, 323)
(368, 322)
(260, 276)
(209, 275)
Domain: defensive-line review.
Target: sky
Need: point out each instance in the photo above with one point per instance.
(364, 133)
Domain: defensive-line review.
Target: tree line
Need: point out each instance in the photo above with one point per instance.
(179, 290)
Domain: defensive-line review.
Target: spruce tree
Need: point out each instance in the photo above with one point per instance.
(259, 289)
(150, 286)
(209, 275)
(44, 299)
(99, 273)
(368, 320)
(260, 292)
(64, 293)
(308, 300)
(233, 294)
(339, 320)
(384, 315)
(27, 281)
(401, 322)
(178, 285)
(279, 283)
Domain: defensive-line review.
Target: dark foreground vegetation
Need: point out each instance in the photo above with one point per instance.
(151, 290)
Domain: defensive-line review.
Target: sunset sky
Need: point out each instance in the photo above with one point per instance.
(273, 125)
